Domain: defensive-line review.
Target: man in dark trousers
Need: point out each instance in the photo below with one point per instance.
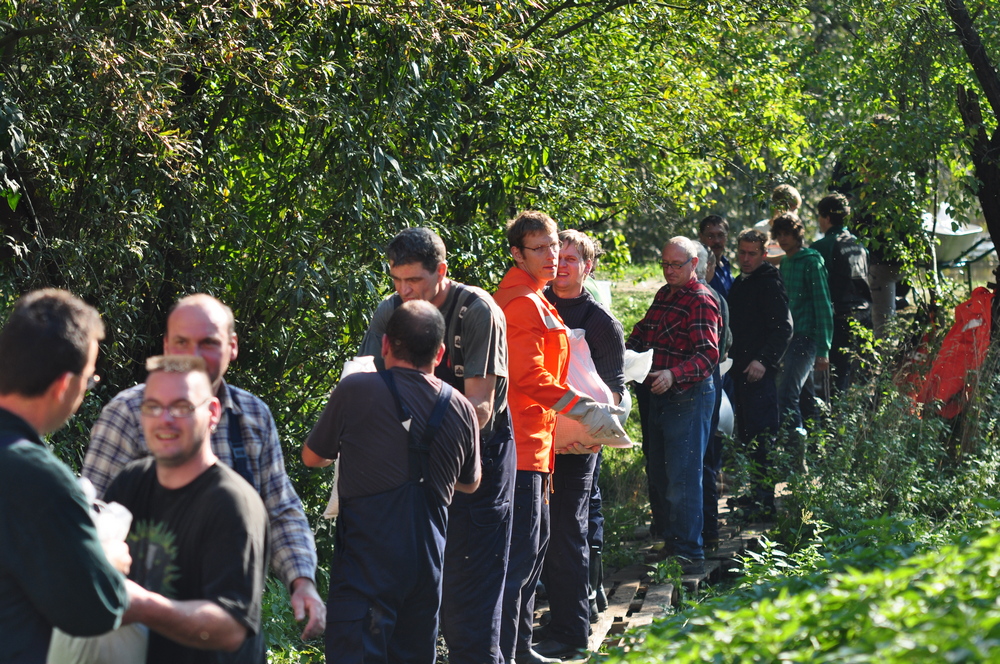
(200, 597)
(475, 364)
(572, 566)
(53, 571)
(762, 329)
(682, 327)
(406, 442)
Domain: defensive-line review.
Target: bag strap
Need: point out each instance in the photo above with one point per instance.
(7, 441)
(241, 463)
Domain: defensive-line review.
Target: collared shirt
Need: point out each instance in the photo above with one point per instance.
(682, 328)
(117, 438)
(722, 280)
(809, 297)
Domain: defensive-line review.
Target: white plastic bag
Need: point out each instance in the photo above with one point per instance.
(583, 377)
(637, 365)
(125, 645)
(360, 364)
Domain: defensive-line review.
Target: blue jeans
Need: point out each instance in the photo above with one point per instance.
(678, 427)
(796, 368)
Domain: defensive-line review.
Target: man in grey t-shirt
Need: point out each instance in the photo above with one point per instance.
(475, 363)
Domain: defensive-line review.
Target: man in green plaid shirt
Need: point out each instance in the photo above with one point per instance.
(804, 274)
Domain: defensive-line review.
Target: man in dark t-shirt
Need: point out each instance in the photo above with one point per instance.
(406, 441)
(199, 530)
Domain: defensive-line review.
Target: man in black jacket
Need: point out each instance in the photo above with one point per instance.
(762, 328)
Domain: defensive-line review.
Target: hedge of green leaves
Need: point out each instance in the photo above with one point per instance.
(940, 605)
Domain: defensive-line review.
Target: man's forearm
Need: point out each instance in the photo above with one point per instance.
(200, 624)
(480, 390)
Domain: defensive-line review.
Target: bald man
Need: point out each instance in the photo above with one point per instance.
(246, 439)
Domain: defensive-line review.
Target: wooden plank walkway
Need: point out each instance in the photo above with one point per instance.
(634, 601)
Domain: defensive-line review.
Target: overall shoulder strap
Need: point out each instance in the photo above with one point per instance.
(241, 463)
(405, 419)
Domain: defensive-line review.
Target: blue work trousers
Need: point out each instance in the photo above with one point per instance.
(678, 428)
(567, 562)
(712, 464)
(529, 539)
(475, 558)
(595, 525)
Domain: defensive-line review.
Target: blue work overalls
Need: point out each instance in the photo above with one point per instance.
(385, 579)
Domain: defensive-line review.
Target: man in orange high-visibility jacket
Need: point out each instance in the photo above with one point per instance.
(538, 358)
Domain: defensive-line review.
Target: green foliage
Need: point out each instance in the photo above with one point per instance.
(937, 606)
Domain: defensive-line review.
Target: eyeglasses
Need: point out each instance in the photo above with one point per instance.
(551, 248)
(675, 266)
(93, 381)
(178, 410)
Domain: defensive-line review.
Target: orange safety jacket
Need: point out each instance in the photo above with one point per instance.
(537, 363)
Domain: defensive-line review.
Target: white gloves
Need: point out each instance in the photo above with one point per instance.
(601, 419)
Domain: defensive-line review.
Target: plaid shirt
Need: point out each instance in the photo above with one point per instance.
(683, 330)
(805, 280)
(117, 438)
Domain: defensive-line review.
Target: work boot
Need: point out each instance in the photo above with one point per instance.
(599, 599)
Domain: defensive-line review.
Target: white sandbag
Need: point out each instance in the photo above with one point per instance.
(583, 377)
(727, 421)
(360, 364)
(637, 365)
(125, 645)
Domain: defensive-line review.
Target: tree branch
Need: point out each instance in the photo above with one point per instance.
(976, 52)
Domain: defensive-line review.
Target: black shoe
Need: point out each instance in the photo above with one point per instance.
(689, 567)
(530, 656)
(558, 649)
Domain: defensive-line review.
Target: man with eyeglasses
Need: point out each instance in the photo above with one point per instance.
(53, 571)
(538, 390)
(474, 363)
(199, 530)
(682, 327)
(245, 439)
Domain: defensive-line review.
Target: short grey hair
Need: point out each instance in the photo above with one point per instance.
(701, 269)
(686, 244)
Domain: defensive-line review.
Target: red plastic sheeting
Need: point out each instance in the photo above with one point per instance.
(962, 352)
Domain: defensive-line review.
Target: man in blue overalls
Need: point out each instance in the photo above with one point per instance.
(475, 364)
(406, 441)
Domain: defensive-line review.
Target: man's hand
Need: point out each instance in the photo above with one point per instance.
(755, 371)
(660, 381)
(306, 602)
(579, 448)
(822, 364)
(600, 418)
(118, 555)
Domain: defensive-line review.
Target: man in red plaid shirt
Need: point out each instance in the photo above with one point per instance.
(682, 327)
